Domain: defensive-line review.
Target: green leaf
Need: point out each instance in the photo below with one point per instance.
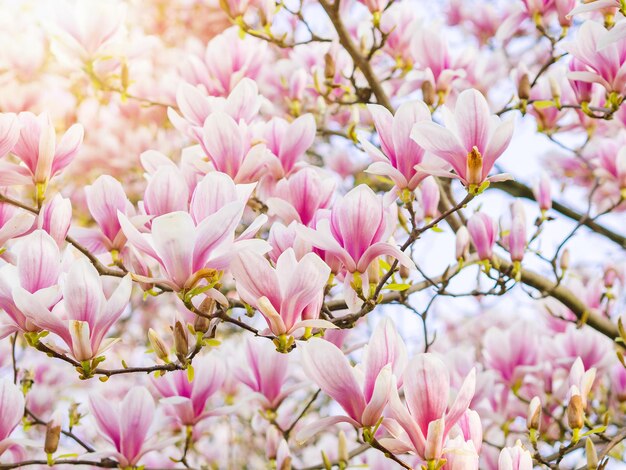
(598, 430)
(397, 287)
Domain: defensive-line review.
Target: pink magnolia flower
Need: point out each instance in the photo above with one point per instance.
(483, 231)
(37, 271)
(105, 198)
(12, 410)
(182, 248)
(460, 455)
(242, 103)
(188, 399)
(299, 196)
(356, 233)
(604, 58)
(290, 140)
(400, 154)
(362, 400)
(288, 296)
(542, 193)
(511, 352)
(38, 149)
(126, 424)
(422, 426)
(281, 238)
(84, 316)
(265, 373)
(228, 145)
(88, 26)
(471, 142)
(227, 60)
(538, 7)
(515, 458)
(167, 191)
(429, 50)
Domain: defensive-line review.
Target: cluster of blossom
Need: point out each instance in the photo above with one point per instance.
(273, 234)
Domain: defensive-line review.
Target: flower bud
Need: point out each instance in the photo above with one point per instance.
(158, 345)
(181, 342)
(373, 273)
(342, 444)
(404, 272)
(542, 193)
(523, 87)
(462, 243)
(575, 412)
(592, 455)
(428, 92)
(329, 66)
(564, 261)
(610, 275)
(533, 419)
(53, 433)
(555, 89)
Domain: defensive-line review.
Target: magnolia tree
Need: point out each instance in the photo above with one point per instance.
(262, 234)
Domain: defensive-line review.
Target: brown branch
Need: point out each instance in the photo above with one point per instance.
(517, 189)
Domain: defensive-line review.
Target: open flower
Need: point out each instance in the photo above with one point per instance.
(84, 316)
(126, 424)
(356, 234)
(362, 400)
(188, 399)
(471, 142)
(288, 296)
(400, 154)
(422, 426)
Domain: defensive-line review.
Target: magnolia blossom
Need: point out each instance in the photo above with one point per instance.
(126, 424)
(483, 232)
(188, 398)
(84, 316)
(471, 142)
(423, 425)
(363, 401)
(288, 296)
(356, 233)
(604, 58)
(37, 270)
(38, 149)
(515, 458)
(12, 410)
(400, 154)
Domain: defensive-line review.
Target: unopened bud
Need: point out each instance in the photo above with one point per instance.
(158, 345)
(181, 342)
(555, 88)
(53, 433)
(404, 272)
(462, 243)
(564, 261)
(592, 455)
(523, 87)
(533, 420)
(342, 452)
(610, 275)
(428, 92)
(575, 412)
(326, 462)
(329, 66)
(373, 273)
(201, 324)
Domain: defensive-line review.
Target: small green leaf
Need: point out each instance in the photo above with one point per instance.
(397, 287)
